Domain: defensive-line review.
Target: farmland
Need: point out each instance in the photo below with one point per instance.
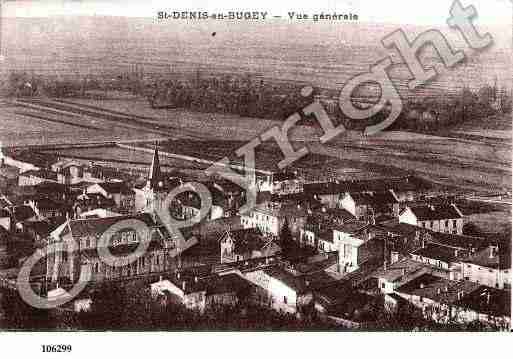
(481, 164)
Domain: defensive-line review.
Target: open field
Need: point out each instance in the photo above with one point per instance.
(473, 164)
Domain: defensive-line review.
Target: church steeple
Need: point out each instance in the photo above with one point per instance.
(154, 175)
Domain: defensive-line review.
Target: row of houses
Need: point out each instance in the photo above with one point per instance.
(354, 243)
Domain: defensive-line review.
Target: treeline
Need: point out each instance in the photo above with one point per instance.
(452, 109)
(240, 95)
(249, 96)
(23, 84)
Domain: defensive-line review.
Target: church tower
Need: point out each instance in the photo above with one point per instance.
(154, 190)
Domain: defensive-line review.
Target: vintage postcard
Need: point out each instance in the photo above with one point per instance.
(320, 166)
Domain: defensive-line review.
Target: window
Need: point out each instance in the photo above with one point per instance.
(383, 285)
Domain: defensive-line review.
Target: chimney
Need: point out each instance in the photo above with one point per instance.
(160, 279)
(195, 279)
(183, 285)
(488, 298)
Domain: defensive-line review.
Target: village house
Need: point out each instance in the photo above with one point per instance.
(34, 177)
(242, 244)
(318, 230)
(284, 291)
(271, 216)
(490, 266)
(369, 205)
(20, 215)
(343, 305)
(357, 246)
(48, 208)
(17, 160)
(286, 182)
(398, 272)
(123, 196)
(486, 305)
(72, 172)
(80, 239)
(88, 202)
(406, 188)
(445, 218)
(445, 260)
(435, 296)
(199, 293)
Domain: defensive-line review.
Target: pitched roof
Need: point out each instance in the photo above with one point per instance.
(246, 240)
(296, 283)
(438, 289)
(398, 270)
(97, 226)
(377, 199)
(42, 173)
(487, 300)
(201, 280)
(491, 257)
(440, 252)
(351, 227)
(400, 184)
(115, 187)
(430, 213)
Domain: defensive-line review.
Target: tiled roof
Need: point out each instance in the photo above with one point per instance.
(284, 176)
(427, 213)
(97, 226)
(247, 240)
(486, 300)
(377, 199)
(351, 227)
(402, 184)
(115, 187)
(490, 257)
(295, 282)
(440, 252)
(396, 271)
(212, 284)
(438, 289)
(46, 174)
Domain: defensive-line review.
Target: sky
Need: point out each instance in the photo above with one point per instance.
(420, 12)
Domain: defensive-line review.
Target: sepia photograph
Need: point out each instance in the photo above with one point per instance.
(333, 166)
